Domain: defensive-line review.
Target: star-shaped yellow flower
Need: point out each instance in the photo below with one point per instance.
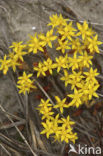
(60, 103)
(56, 20)
(63, 46)
(47, 39)
(66, 122)
(49, 65)
(68, 32)
(76, 98)
(75, 79)
(93, 44)
(85, 60)
(18, 46)
(40, 69)
(47, 128)
(13, 64)
(91, 74)
(67, 135)
(34, 45)
(74, 62)
(25, 83)
(83, 30)
(77, 46)
(4, 64)
(61, 62)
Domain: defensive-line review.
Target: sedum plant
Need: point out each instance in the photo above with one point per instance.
(76, 46)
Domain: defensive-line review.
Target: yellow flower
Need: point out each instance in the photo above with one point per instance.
(56, 120)
(63, 45)
(84, 89)
(56, 20)
(13, 64)
(60, 103)
(93, 44)
(89, 90)
(45, 108)
(17, 46)
(35, 45)
(68, 32)
(61, 62)
(46, 40)
(77, 46)
(92, 91)
(76, 98)
(91, 74)
(47, 128)
(83, 30)
(40, 69)
(25, 83)
(19, 55)
(52, 127)
(74, 62)
(85, 60)
(25, 77)
(56, 127)
(75, 79)
(14, 59)
(49, 65)
(67, 123)
(44, 103)
(4, 64)
(18, 51)
(67, 135)
(46, 112)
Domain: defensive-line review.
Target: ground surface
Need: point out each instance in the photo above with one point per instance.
(18, 19)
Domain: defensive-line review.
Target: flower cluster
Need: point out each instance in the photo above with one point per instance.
(45, 66)
(61, 129)
(74, 47)
(77, 47)
(25, 83)
(13, 58)
(77, 67)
